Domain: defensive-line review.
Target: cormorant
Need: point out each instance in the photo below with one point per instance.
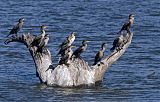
(43, 43)
(63, 47)
(128, 24)
(81, 49)
(39, 38)
(68, 42)
(100, 54)
(67, 57)
(118, 42)
(17, 27)
(72, 38)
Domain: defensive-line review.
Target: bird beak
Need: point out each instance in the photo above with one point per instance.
(73, 46)
(88, 41)
(75, 33)
(133, 15)
(45, 27)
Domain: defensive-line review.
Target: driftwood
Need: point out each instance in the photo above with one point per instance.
(76, 74)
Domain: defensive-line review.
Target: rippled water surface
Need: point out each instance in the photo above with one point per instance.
(134, 77)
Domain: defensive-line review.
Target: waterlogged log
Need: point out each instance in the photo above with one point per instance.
(77, 73)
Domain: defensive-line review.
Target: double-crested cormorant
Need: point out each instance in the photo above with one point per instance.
(128, 24)
(72, 38)
(81, 49)
(43, 43)
(118, 42)
(100, 54)
(68, 42)
(17, 27)
(63, 47)
(67, 57)
(39, 38)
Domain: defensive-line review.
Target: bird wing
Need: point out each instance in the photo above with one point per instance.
(14, 29)
(125, 25)
(115, 42)
(97, 56)
(78, 50)
(63, 44)
(41, 44)
(36, 41)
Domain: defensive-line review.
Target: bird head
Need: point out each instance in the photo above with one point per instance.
(103, 45)
(43, 27)
(131, 16)
(21, 20)
(74, 33)
(85, 41)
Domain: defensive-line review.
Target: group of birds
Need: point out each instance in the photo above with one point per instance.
(65, 49)
(39, 41)
(120, 40)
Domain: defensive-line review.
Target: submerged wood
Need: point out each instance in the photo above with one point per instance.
(76, 74)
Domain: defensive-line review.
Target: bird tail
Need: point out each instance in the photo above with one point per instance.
(112, 48)
(94, 63)
(8, 35)
(119, 32)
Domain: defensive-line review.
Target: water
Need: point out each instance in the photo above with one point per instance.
(134, 77)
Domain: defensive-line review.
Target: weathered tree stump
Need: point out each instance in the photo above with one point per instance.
(76, 74)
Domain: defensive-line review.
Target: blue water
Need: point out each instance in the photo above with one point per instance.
(134, 77)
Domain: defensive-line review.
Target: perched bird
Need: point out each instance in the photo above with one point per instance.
(39, 38)
(81, 49)
(72, 38)
(68, 42)
(100, 54)
(67, 57)
(128, 24)
(43, 43)
(63, 47)
(17, 27)
(118, 42)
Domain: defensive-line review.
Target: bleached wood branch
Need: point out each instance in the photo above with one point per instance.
(76, 74)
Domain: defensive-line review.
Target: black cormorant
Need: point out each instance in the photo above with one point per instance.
(128, 24)
(118, 42)
(100, 54)
(68, 42)
(43, 43)
(72, 38)
(39, 38)
(67, 57)
(17, 27)
(81, 49)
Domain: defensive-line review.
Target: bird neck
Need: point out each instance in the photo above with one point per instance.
(103, 49)
(84, 44)
(43, 33)
(46, 40)
(20, 21)
(131, 20)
